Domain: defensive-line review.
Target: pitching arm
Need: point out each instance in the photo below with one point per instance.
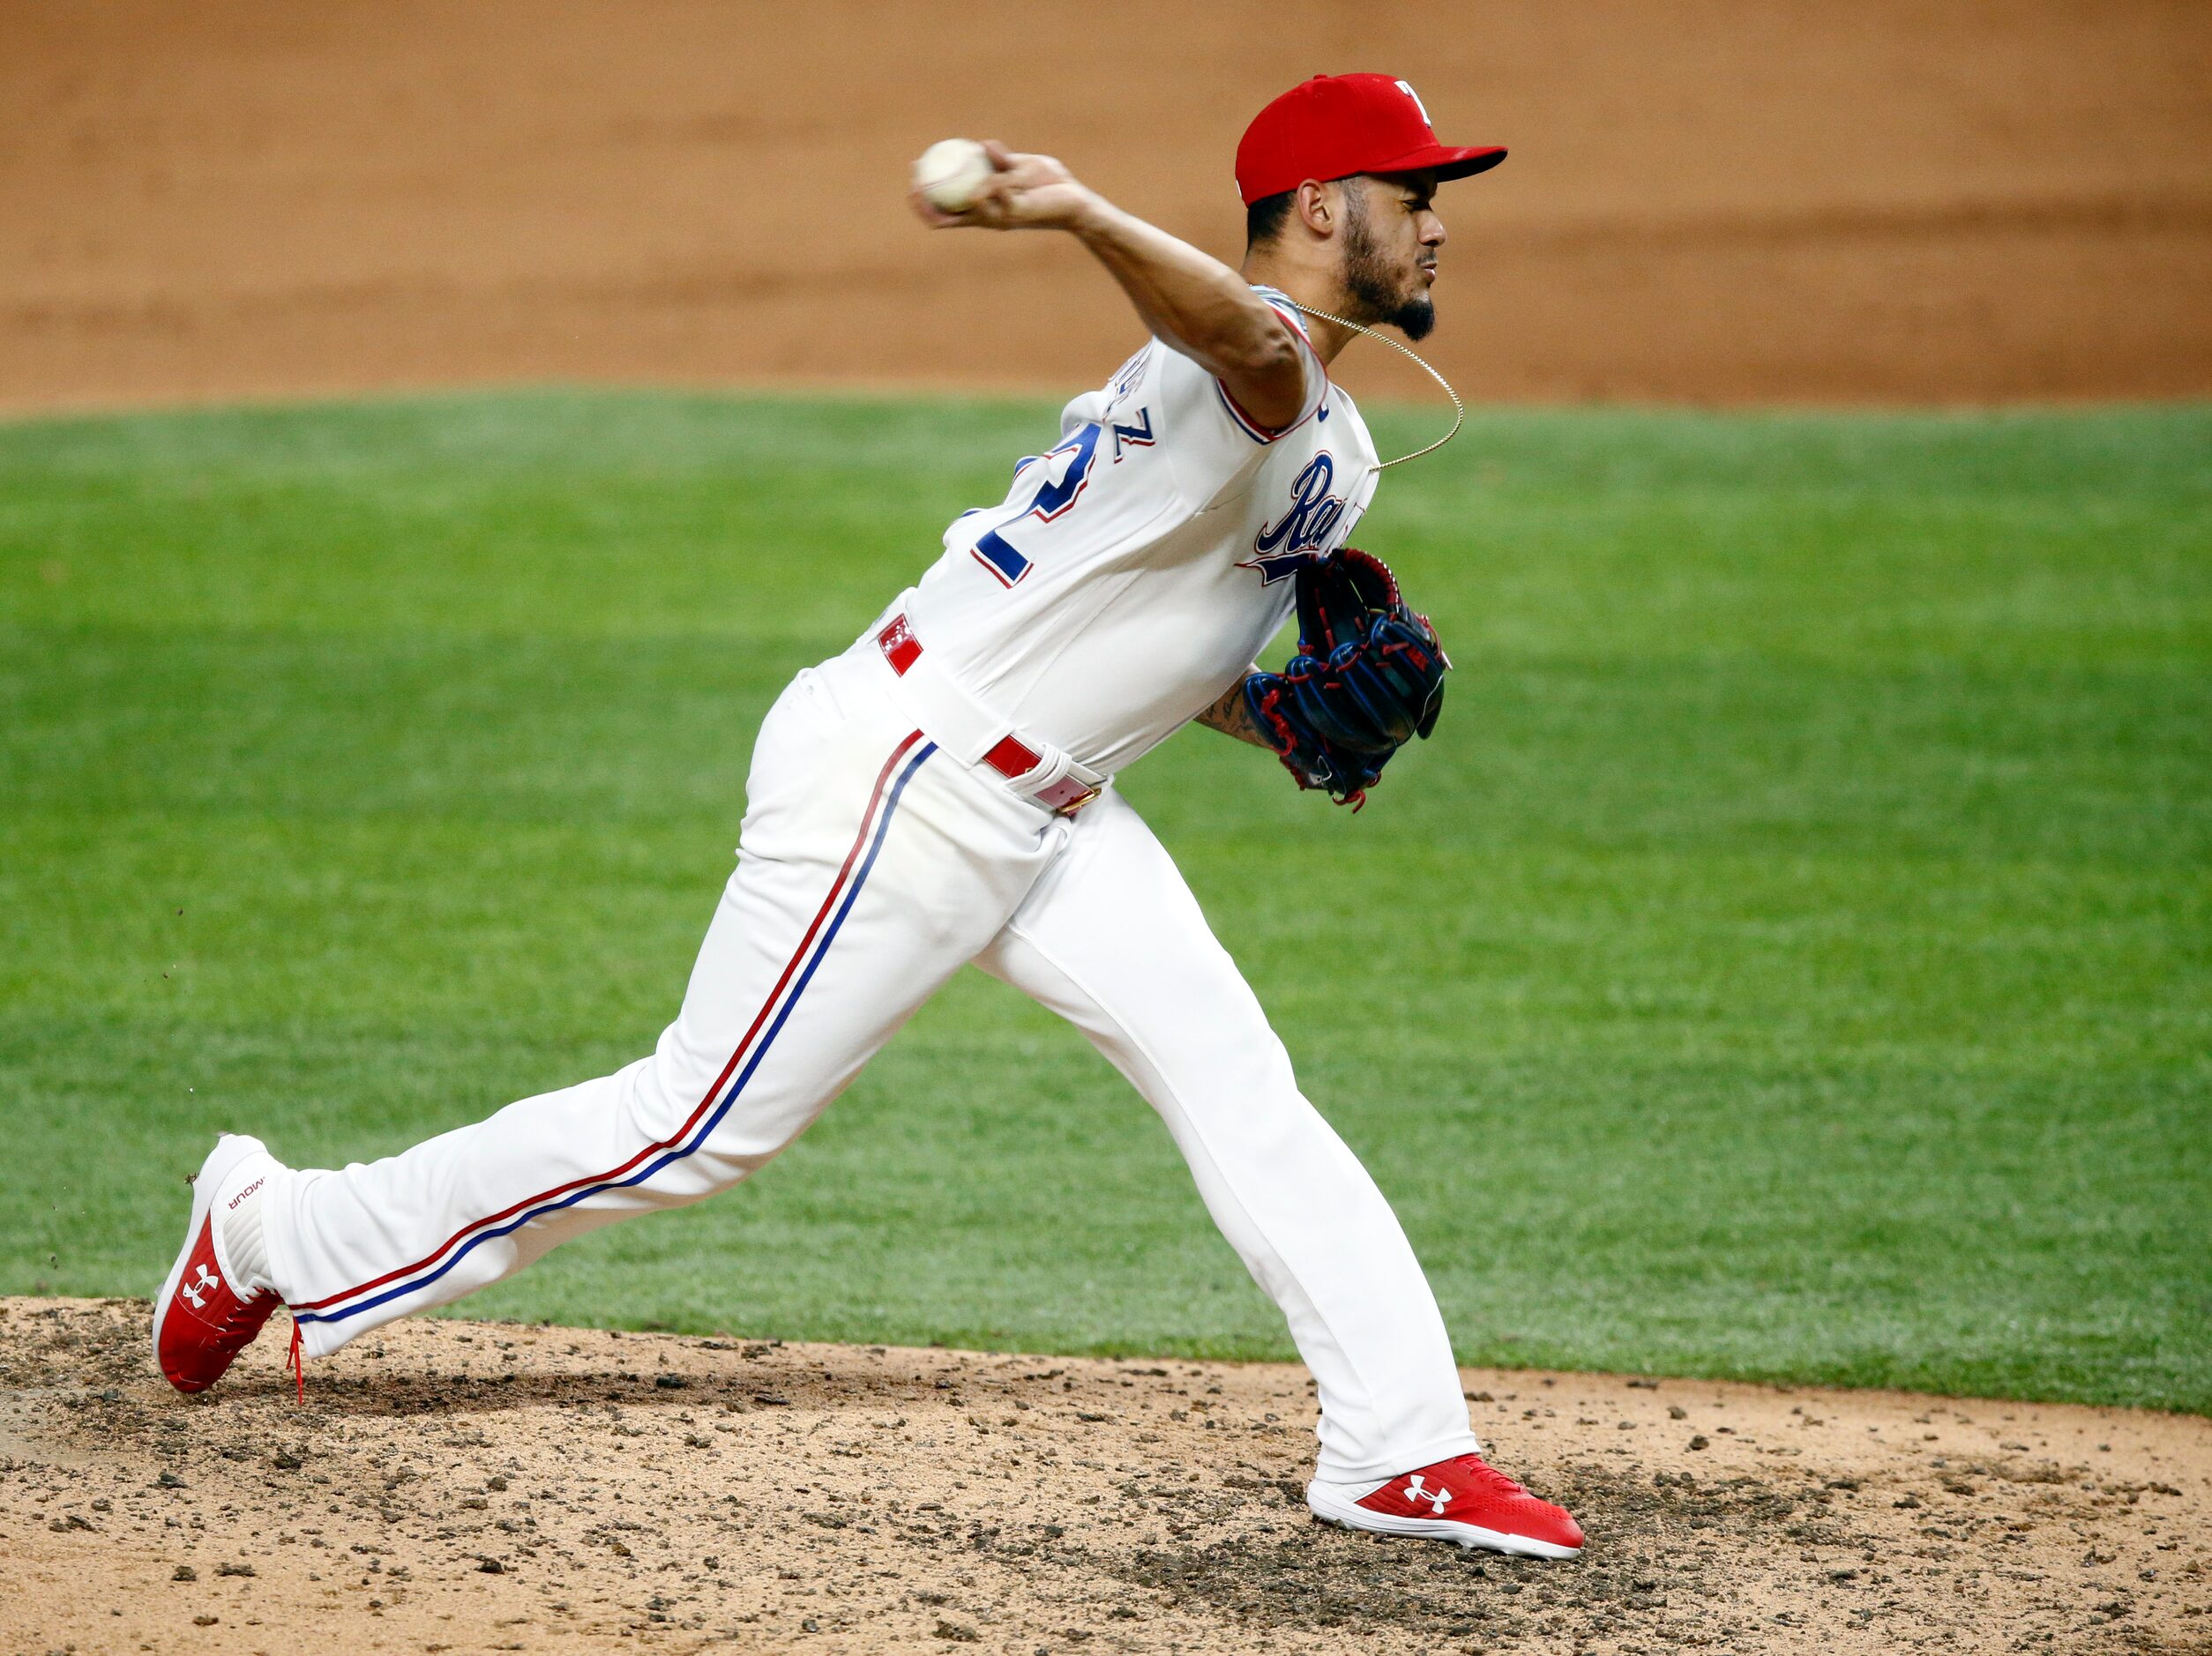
(1189, 299)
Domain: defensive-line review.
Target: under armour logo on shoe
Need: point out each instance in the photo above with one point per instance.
(194, 1291)
(1437, 1498)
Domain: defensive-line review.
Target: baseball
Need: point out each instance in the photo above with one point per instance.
(951, 174)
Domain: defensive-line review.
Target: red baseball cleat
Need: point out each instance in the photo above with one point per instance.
(207, 1313)
(1463, 1500)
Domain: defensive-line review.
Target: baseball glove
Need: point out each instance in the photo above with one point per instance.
(1367, 679)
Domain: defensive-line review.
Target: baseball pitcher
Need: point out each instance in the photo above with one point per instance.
(941, 792)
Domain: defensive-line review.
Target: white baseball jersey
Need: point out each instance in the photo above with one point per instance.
(1132, 573)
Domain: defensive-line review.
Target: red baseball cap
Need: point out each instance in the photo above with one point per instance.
(1333, 126)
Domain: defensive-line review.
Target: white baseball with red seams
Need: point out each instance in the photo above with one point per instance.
(940, 794)
(952, 173)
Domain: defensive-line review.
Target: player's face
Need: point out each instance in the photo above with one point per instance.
(1391, 237)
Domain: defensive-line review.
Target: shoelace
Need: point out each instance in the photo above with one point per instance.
(1498, 1481)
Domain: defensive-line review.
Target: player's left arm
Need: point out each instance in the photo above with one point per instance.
(1232, 715)
(1189, 299)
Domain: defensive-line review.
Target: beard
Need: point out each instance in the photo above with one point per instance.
(1373, 287)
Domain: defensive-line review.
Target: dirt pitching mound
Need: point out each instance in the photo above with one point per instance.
(478, 1486)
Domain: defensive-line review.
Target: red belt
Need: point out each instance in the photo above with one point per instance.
(1010, 756)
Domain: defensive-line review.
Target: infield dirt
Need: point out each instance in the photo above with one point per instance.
(479, 1486)
(1708, 200)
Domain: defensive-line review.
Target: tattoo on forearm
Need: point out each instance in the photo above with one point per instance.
(1232, 718)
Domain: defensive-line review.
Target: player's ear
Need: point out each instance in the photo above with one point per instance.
(1319, 207)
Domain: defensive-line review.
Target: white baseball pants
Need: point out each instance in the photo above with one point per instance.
(872, 866)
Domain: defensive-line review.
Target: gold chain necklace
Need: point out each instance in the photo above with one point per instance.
(1459, 409)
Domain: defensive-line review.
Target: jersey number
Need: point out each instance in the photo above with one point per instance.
(1065, 469)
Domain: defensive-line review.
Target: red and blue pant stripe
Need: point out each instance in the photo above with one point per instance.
(744, 1063)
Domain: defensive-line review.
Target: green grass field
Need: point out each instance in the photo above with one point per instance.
(1793, 959)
